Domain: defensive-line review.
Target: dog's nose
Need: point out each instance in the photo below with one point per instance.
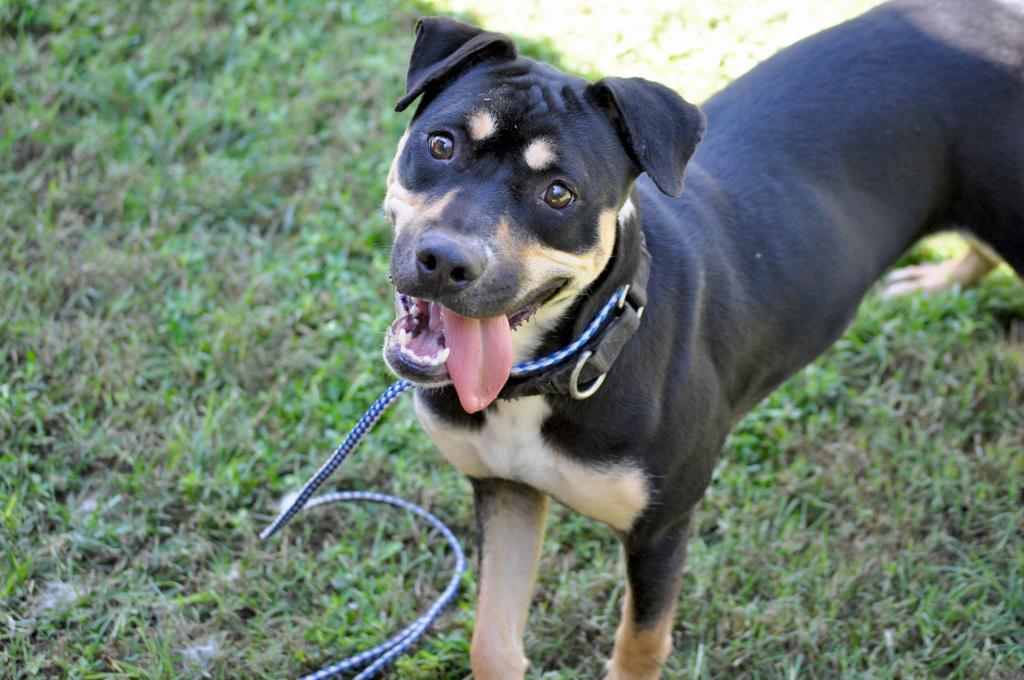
(446, 265)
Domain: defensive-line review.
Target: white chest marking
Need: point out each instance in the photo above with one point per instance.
(510, 446)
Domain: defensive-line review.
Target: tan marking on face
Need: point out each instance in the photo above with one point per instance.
(400, 203)
(503, 236)
(481, 124)
(513, 533)
(640, 653)
(542, 263)
(540, 154)
(432, 210)
(510, 446)
(508, 244)
(411, 210)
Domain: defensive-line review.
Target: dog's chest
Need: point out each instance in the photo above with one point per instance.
(510, 446)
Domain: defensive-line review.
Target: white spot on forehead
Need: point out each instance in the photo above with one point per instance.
(481, 124)
(539, 154)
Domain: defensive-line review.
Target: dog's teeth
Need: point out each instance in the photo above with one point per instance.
(415, 311)
(438, 358)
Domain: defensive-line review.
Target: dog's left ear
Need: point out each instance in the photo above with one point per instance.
(659, 129)
(443, 48)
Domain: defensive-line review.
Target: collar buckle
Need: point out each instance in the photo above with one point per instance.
(574, 389)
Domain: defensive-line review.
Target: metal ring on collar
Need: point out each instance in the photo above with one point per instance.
(574, 389)
(622, 302)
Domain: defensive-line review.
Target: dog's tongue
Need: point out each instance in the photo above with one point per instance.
(480, 357)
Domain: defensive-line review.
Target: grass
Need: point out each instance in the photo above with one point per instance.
(192, 296)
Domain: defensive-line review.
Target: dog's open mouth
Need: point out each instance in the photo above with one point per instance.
(431, 345)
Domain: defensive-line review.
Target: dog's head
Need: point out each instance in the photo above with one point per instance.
(506, 194)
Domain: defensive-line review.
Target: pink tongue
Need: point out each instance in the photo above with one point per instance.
(480, 357)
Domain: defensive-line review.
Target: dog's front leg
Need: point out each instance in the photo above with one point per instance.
(654, 567)
(511, 521)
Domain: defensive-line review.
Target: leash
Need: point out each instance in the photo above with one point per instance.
(379, 657)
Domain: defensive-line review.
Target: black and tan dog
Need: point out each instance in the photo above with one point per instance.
(523, 198)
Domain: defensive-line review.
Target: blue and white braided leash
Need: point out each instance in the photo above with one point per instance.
(377, 658)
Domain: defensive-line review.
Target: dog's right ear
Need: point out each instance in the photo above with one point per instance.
(443, 48)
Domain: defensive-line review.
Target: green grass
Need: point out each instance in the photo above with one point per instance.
(192, 298)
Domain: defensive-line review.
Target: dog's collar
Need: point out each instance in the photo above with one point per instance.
(580, 376)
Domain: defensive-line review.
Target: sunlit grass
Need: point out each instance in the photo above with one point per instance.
(694, 47)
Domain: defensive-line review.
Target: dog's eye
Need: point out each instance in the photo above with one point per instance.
(441, 146)
(558, 195)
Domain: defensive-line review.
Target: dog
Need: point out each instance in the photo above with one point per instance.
(523, 199)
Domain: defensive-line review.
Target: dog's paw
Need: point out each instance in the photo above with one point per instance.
(616, 675)
(934, 277)
(614, 671)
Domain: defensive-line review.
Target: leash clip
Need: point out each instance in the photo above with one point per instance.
(587, 392)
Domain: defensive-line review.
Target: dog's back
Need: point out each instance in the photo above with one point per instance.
(824, 163)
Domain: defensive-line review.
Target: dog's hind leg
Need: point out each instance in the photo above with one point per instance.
(511, 521)
(654, 567)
